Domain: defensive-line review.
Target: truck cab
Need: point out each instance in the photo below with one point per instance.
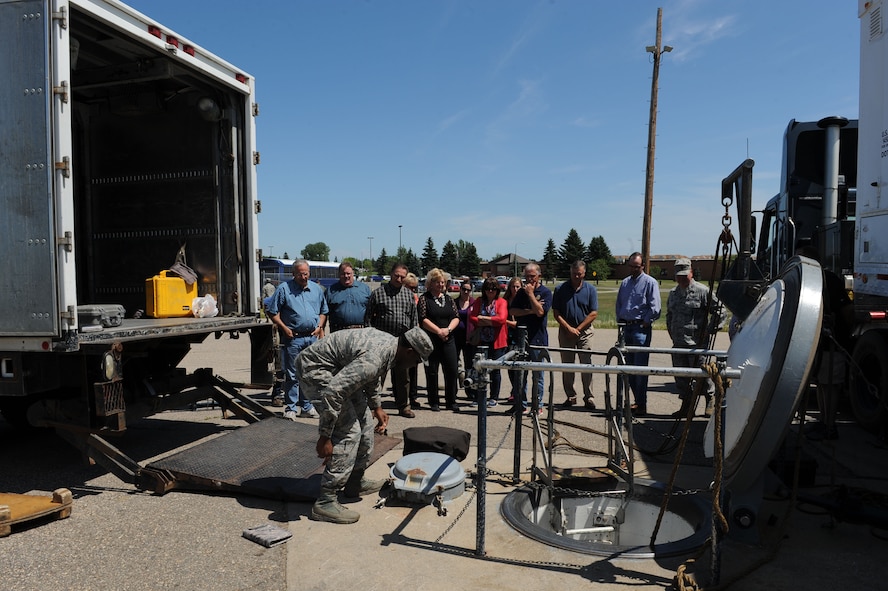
(794, 217)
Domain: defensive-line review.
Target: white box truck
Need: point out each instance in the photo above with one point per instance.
(121, 142)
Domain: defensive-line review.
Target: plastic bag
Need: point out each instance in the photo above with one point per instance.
(204, 307)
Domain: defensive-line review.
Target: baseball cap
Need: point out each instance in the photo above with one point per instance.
(682, 266)
(420, 342)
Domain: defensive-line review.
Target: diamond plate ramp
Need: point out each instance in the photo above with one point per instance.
(274, 458)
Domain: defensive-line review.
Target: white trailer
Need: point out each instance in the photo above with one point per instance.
(869, 378)
(121, 141)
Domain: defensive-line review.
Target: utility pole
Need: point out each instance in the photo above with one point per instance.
(652, 145)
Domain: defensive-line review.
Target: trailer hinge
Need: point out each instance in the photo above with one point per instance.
(70, 314)
(66, 241)
(64, 166)
(61, 90)
(258, 206)
(255, 109)
(258, 255)
(256, 157)
(62, 17)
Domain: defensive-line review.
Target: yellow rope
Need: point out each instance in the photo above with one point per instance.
(685, 581)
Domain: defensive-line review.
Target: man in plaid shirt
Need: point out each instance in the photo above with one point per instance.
(392, 309)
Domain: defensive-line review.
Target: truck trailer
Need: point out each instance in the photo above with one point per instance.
(833, 171)
(125, 148)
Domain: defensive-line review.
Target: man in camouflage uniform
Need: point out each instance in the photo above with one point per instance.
(686, 321)
(340, 373)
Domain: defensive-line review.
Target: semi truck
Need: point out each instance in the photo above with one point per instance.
(125, 148)
(830, 199)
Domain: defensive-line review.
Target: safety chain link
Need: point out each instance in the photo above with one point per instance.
(471, 485)
(457, 518)
(566, 491)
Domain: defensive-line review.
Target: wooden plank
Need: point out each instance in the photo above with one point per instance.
(17, 508)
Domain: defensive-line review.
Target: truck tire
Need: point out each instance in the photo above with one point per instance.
(869, 380)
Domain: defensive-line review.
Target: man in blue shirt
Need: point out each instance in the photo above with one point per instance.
(638, 305)
(299, 311)
(347, 300)
(575, 308)
(530, 307)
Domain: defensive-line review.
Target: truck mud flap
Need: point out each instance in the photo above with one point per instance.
(274, 458)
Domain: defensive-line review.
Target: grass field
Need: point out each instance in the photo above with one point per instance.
(607, 299)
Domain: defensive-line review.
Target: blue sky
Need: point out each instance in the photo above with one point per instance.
(508, 122)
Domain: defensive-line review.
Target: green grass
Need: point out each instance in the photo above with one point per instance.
(607, 299)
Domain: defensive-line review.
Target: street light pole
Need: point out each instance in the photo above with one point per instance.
(370, 238)
(399, 241)
(515, 258)
(652, 143)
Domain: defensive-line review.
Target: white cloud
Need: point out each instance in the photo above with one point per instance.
(688, 28)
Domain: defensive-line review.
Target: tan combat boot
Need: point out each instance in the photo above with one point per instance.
(358, 486)
(327, 508)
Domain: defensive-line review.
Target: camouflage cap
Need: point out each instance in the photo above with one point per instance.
(420, 342)
(682, 266)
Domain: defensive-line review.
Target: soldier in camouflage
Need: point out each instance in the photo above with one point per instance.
(339, 373)
(686, 321)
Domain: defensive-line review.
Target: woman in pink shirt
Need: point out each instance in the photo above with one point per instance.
(488, 315)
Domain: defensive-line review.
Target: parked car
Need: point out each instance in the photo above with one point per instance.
(477, 284)
(453, 285)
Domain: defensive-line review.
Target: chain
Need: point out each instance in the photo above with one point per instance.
(565, 491)
(471, 485)
(457, 518)
(727, 201)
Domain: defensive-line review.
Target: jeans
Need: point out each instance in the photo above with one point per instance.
(636, 335)
(295, 400)
(496, 378)
(539, 380)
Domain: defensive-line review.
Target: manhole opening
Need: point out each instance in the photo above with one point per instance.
(610, 521)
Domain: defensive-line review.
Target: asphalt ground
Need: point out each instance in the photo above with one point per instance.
(121, 538)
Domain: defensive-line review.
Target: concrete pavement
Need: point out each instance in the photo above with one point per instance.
(119, 538)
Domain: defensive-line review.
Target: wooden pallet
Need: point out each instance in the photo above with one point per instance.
(16, 509)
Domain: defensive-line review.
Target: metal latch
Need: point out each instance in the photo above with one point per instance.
(64, 166)
(66, 241)
(61, 90)
(255, 109)
(62, 17)
(256, 157)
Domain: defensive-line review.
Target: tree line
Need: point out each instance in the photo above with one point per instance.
(461, 258)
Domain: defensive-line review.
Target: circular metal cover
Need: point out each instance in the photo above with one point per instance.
(775, 348)
(427, 472)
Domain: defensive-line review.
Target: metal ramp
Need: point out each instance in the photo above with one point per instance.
(271, 457)
(274, 458)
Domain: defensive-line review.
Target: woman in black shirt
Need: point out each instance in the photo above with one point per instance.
(439, 316)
